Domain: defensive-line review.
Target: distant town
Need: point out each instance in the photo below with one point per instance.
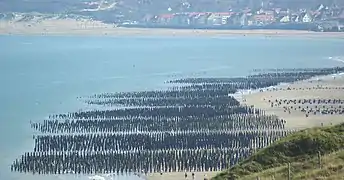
(321, 18)
(186, 14)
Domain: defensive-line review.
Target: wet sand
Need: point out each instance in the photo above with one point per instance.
(96, 28)
(22, 176)
(324, 88)
(180, 176)
(295, 120)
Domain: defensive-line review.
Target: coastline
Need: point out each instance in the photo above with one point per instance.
(327, 80)
(294, 121)
(180, 174)
(72, 27)
(322, 87)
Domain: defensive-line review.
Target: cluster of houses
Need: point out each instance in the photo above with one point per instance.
(249, 17)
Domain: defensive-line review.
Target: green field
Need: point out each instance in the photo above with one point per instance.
(315, 153)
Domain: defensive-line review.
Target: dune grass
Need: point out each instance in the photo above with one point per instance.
(301, 150)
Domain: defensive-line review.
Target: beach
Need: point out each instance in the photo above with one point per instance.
(181, 175)
(67, 27)
(329, 87)
(325, 87)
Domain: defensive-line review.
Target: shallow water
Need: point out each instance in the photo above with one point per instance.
(41, 75)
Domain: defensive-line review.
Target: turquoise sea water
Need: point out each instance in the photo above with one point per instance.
(40, 75)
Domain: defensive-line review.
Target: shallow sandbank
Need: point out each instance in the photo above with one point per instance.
(95, 28)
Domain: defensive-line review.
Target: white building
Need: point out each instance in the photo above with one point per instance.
(306, 18)
(285, 19)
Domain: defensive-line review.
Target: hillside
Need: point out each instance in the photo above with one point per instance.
(38, 17)
(301, 150)
(136, 9)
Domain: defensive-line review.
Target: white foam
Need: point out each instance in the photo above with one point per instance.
(114, 176)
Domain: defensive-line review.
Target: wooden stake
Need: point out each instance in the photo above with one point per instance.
(289, 173)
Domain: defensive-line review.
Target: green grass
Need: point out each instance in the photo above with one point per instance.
(301, 151)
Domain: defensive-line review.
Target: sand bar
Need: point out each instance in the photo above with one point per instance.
(96, 28)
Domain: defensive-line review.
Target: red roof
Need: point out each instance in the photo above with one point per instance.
(197, 13)
(166, 16)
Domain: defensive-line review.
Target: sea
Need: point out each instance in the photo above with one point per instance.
(42, 75)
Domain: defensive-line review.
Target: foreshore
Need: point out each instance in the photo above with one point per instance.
(298, 90)
(301, 114)
(325, 87)
(181, 175)
(95, 28)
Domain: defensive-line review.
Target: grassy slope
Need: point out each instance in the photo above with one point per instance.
(301, 150)
(332, 169)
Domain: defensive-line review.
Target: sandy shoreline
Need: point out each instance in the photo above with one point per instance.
(181, 176)
(299, 90)
(96, 28)
(327, 87)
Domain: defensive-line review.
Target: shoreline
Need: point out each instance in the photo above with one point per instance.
(209, 174)
(182, 173)
(318, 87)
(247, 94)
(71, 27)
